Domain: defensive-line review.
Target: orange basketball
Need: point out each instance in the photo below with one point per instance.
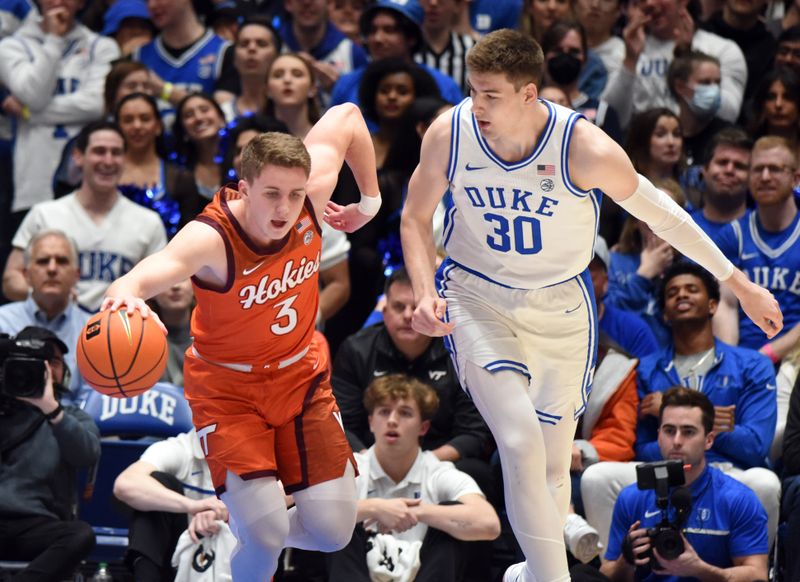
(121, 354)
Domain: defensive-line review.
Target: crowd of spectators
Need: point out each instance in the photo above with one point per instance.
(120, 119)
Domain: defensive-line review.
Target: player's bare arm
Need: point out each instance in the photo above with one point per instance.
(425, 189)
(197, 250)
(342, 136)
(596, 161)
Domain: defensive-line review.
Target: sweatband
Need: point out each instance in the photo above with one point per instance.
(673, 224)
(769, 351)
(369, 205)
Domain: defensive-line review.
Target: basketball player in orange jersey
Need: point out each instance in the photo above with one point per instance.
(257, 381)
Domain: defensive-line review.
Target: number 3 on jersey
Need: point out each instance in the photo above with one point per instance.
(285, 312)
(527, 234)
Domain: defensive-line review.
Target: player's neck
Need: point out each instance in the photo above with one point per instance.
(516, 146)
(692, 337)
(777, 217)
(183, 32)
(396, 464)
(241, 211)
(175, 318)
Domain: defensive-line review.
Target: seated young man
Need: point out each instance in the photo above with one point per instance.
(414, 511)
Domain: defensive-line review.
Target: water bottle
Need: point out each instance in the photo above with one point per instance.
(103, 574)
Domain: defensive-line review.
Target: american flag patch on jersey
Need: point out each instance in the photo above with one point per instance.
(545, 170)
(303, 224)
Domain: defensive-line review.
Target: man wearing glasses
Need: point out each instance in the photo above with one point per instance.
(765, 244)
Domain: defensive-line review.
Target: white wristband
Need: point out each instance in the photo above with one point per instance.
(369, 205)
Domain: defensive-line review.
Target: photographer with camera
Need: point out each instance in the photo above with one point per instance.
(720, 522)
(42, 444)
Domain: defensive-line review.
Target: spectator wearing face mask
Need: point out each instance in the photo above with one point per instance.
(694, 80)
(566, 54)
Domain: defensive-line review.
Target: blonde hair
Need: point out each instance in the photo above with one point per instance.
(508, 52)
(769, 142)
(398, 387)
(274, 149)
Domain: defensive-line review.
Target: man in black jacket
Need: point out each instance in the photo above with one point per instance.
(790, 503)
(457, 432)
(42, 444)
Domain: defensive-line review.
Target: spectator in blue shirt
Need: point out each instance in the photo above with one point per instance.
(625, 328)
(51, 270)
(740, 384)
(724, 532)
(725, 174)
(392, 28)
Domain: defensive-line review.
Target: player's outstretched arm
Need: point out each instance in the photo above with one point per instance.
(196, 250)
(342, 136)
(425, 189)
(596, 161)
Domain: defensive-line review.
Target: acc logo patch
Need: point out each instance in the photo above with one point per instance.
(547, 185)
(308, 237)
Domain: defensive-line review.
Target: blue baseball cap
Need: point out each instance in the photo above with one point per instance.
(122, 9)
(408, 9)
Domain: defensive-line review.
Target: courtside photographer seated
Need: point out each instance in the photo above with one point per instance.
(683, 519)
(42, 445)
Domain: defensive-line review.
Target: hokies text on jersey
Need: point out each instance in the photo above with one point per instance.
(267, 289)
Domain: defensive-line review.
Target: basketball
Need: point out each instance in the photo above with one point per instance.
(121, 354)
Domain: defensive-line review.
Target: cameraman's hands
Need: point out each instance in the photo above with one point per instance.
(47, 402)
(687, 565)
(640, 544)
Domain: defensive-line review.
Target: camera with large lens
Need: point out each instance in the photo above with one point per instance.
(22, 366)
(665, 537)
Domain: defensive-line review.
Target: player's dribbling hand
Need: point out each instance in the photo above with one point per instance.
(131, 304)
(344, 218)
(429, 315)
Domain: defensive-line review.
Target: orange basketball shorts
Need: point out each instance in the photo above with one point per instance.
(283, 423)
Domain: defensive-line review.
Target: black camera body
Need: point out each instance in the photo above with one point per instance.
(666, 536)
(22, 366)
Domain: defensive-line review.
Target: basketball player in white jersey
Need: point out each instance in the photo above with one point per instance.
(514, 296)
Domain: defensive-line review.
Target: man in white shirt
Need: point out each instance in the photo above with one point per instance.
(653, 31)
(111, 232)
(55, 69)
(414, 511)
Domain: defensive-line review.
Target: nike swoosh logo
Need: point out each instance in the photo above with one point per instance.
(246, 272)
(377, 373)
(652, 513)
(469, 168)
(574, 308)
(748, 256)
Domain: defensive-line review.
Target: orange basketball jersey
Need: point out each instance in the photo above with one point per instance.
(267, 309)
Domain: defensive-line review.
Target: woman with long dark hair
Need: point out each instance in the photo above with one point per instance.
(198, 121)
(148, 178)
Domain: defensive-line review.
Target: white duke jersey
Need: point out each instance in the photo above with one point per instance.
(522, 224)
